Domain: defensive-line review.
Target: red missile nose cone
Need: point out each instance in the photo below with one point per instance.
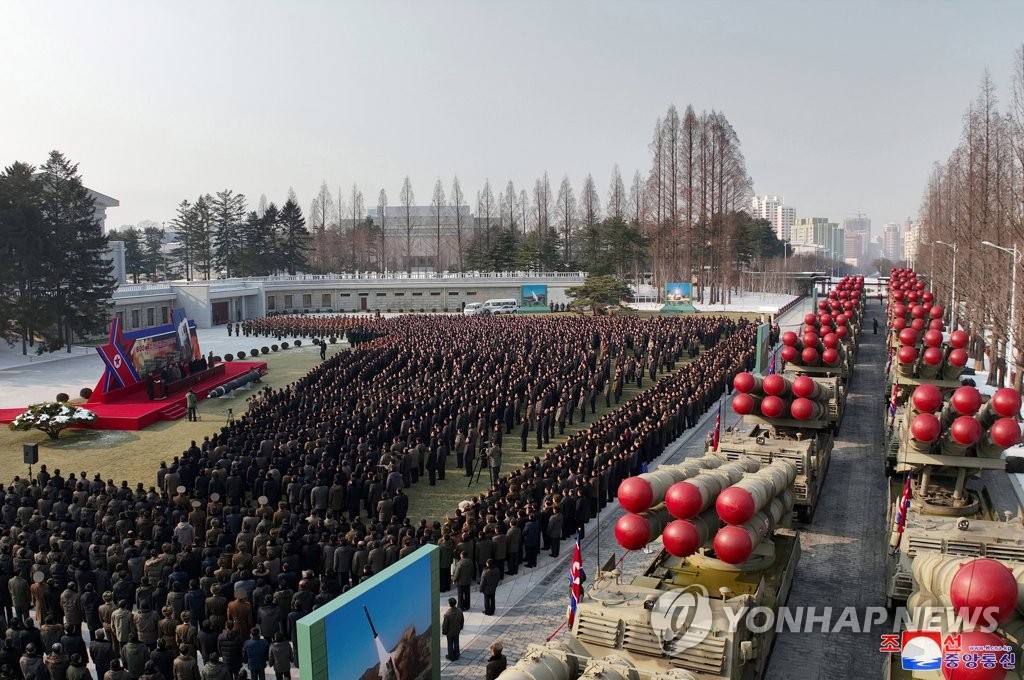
(959, 339)
(899, 323)
(906, 355)
(810, 319)
(980, 584)
(803, 386)
(680, 538)
(632, 532)
(1005, 432)
(958, 358)
(744, 382)
(825, 330)
(908, 336)
(899, 310)
(966, 400)
(929, 297)
(809, 355)
(927, 398)
(830, 341)
(830, 357)
(773, 407)
(789, 338)
(918, 324)
(822, 305)
(683, 500)
(732, 545)
(917, 311)
(810, 339)
(635, 494)
(1006, 402)
(825, 319)
(932, 356)
(842, 319)
(843, 331)
(936, 311)
(933, 338)
(802, 409)
(774, 384)
(965, 430)
(743, 404)
(925, 428)
(735, 505)
(936, 324)
(789, 353)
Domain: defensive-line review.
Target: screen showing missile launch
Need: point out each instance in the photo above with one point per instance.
(383, 629)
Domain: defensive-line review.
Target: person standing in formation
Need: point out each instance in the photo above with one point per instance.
(452, 624)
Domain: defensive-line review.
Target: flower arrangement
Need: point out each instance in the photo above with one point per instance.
(51, 417)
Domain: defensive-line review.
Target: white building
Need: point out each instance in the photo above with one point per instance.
(411, 240)
(892, 244)
(773, 209)
(102, 202)
(911, 239)
(115, 255)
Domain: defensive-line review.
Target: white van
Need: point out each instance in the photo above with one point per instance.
(500, 306)
(472, 308)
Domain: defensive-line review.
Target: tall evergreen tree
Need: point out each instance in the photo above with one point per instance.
(24, 243)
(152, 250)
(134, 263)
(79, 277)
(229, 233)
(295, 239)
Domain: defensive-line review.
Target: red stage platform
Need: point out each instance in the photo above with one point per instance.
(134, 411)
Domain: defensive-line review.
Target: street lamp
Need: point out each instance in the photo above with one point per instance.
(952, 292)
(1011, 345)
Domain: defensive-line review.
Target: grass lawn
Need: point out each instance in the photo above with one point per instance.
(136, 455)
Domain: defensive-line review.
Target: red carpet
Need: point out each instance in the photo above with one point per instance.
(136, 412)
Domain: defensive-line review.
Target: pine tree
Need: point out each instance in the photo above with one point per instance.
(228, 232)
(295, 240)
(152, 251)
(79, 278)
(23, 244)
(133, 259)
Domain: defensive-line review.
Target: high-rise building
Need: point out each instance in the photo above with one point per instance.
(781, 216)
(854, 246)
(892, 245)
(827, 236)
(911, 240)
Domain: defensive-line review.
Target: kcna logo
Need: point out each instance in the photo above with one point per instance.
(682, 619)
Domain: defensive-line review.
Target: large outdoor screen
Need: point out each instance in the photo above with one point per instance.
(387, 628)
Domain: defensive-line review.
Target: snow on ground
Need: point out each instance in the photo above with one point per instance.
(741, 302)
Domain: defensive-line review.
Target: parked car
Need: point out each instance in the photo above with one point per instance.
(472, 309)
(500, 306)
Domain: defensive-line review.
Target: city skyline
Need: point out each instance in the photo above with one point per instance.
(157, 107)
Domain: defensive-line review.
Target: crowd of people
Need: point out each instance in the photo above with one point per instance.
(305, 495)
(298, 326)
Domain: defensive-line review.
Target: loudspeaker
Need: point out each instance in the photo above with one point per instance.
(31, 452)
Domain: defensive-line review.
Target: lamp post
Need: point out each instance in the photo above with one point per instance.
(952, 292)
(1011, 344)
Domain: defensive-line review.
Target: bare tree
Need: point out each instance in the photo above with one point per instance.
(486, 210)
(321, 214)
(437, 203)
(616, 205)
(523, 206)
(637, 202)
(408, 198)
(382, 219)
(456, 199)
(566, 213)
(509, 205)
(688, 163)
(356, 212)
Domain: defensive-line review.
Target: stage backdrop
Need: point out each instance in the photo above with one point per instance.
(131, 357)
(388, 628)
(678, 298)
(534, 298)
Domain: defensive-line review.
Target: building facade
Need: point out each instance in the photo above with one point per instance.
(773, 209)
(411, 237)
(911, 240)
(892, 242)
(827, 237)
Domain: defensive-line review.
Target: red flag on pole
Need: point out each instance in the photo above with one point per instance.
(718, 430)
(575, 581)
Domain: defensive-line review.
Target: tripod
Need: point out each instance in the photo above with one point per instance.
(481, 461)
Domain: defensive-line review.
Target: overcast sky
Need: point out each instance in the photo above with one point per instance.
(840, 106)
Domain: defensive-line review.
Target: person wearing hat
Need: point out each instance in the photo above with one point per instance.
(78, 670)
(213, 669)
(101, 652)
(166, 627)
(57, 663)
(186, 667)
(134, 655)
(185, 633)
(497, 663)
(32, 665)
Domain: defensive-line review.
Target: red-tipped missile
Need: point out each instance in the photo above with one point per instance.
(689, 498)
(634, 531)
(926, 398)
(747, 382)
(738, 503)
(776, 385)
(805, 409)
(774, 407)
(959, 339)
(641, 492)
(924, 431)
(683, 537)
(745, 404)
(1003, 434)
(963, 433)
(734, 544)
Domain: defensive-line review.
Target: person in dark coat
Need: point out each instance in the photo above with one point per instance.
(101, 652)
(255, 654)
(452, 624)
(163, 659)
(497, 663)
(229, 647)
(489, 586)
